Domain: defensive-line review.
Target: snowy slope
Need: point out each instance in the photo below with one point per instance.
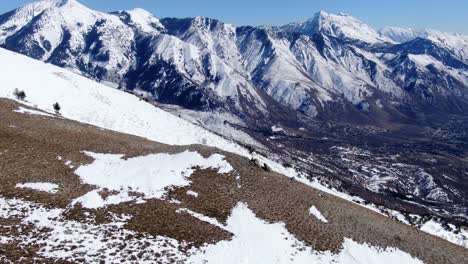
(89, 102)
(209, 35)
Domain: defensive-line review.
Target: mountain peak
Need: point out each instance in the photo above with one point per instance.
(64, 2)
(61, 3)
(326, 15)
(321, 13)
(142, 19)
(140, 11)
(56, 4)
(337, 25)
(400, 34)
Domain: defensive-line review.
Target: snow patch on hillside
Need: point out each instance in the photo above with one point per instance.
(150, 175)
(315, 212)
(201, 217)
(94, 200)
(89, 243)
(39, 186)
(277, 129)
(399, 34)
(23, 110)
(436, 229)
(192, 193)
(256, 241)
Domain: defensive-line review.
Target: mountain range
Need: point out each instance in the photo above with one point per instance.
(325, 66)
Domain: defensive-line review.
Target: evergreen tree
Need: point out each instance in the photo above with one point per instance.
(57, 107)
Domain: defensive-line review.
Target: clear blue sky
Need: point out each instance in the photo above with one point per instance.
(446, 15)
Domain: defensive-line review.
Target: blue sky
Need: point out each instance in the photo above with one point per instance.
(448, 15)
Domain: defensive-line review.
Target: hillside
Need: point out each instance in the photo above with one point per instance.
(59, 201)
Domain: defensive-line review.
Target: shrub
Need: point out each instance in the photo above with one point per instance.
(19, 94)
(265, 167)
(57, 107)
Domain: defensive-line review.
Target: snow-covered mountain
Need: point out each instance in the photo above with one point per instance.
(341, 26)
(456, 43)
(307, 67)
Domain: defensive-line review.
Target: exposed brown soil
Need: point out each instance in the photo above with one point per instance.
(30, 144)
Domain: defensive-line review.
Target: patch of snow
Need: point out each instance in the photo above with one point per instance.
(69, 164)
(39, 186)
(203, 218)
(150, 175)
(436, 229)
(425, 60)
(192, 193)
(93, 200)
(355, 253)
(277, 129)
(5, 240)
(256, 241)
(379, 104)
(174, 201)
(89, 243)
(23, 110)
(315, 212)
